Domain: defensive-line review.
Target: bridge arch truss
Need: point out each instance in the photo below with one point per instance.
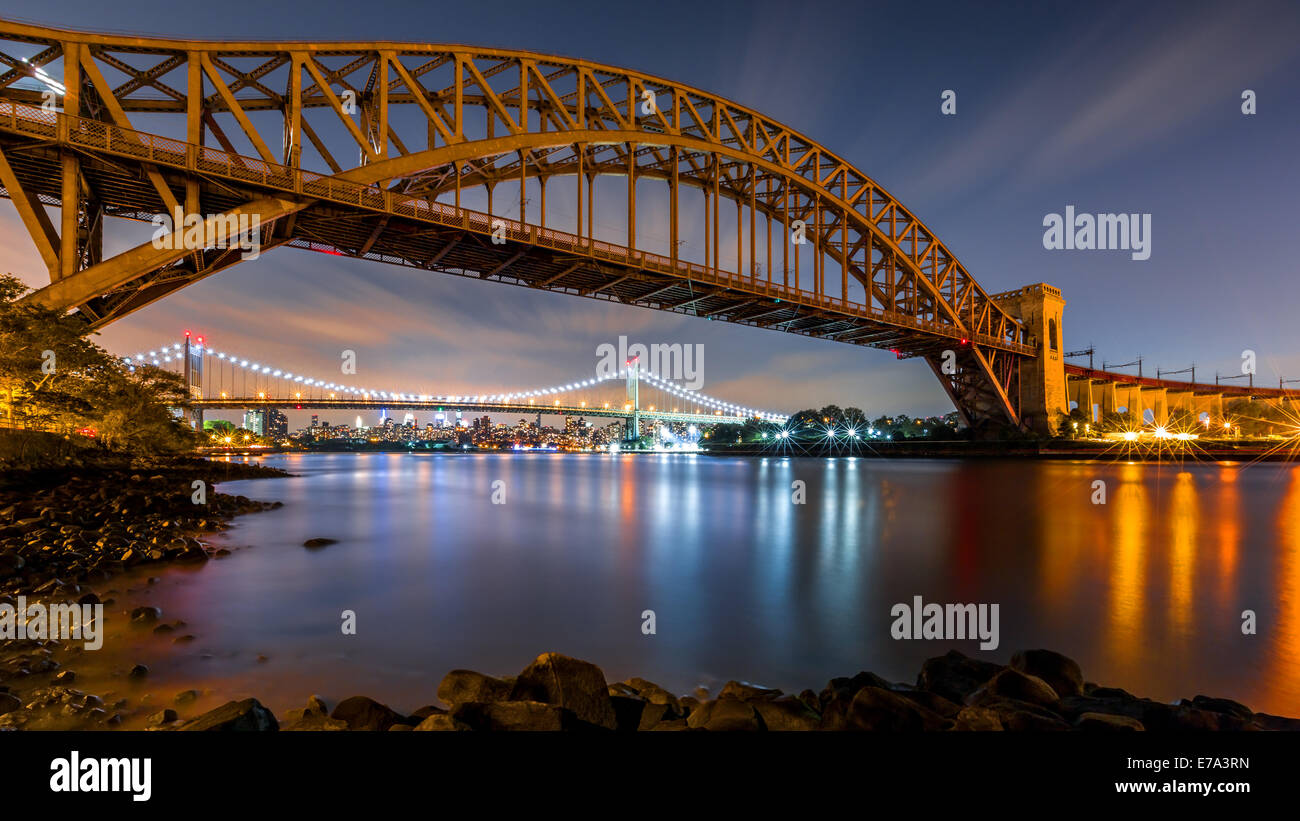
(376, 150)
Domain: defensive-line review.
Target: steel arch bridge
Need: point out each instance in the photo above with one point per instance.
(103, 125)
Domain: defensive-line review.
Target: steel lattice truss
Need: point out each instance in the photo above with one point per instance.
(137, 127)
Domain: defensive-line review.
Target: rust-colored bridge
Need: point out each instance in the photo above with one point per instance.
(112, 126)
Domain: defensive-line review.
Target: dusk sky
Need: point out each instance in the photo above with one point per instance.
(1109, 107)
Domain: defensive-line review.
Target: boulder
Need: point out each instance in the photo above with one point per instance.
(747, 692)
(1108, 722)
(515, 716)
(246, 715)
(787, 715)
(876, 709)
(577, 686)
(977, 719)
(1060, 672)
(725, 715)
(955, 676)
(9, 702)
(441, 722)
(362, 713)
(1013, 684)
(314, 543)
(652, 693)
(460, 686)
(145, 615)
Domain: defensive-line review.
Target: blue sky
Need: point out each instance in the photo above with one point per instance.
(1105, 106)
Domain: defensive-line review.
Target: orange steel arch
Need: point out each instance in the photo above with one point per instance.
(429, 125)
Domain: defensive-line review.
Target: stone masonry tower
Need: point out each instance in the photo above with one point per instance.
(1043, 396)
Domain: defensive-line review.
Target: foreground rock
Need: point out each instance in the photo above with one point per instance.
(1039, 691)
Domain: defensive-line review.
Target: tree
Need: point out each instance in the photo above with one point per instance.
(68, 383)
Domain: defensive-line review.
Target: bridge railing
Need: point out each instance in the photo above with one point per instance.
(46, 123)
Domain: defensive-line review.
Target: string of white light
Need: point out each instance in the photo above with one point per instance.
(174, 351)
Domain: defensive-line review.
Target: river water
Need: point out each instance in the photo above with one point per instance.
(1145, 591)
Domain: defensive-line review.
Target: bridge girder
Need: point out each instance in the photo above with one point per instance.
(486, 117)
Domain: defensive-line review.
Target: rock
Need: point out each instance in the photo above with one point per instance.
(1107, 721)
(955, 676)
(162, 717)
(653, 693)
(9, 702)
(1225, 706)
(239, 716)
(421, 714)
(876, 709)
(670, 726)
(787, 715)
(460, 686)
(725, 715)
(1013, 684)
(312, 722)
(186, 697)
(401, 728)
(576, 685)
(515, 716)
(977, 719)
(1060, 672)
(931, 701)
(746, 692)
(315, 707)
(1265, 722)
(66, 677)
(319, 542)
(628, 711)
(1021, 716)
(652, 715)
(362, 713)
(441, 723)
(145, 615)
(138, 671)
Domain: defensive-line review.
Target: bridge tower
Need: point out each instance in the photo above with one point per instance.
(634, 396)
(193, 375)
(1043, 389)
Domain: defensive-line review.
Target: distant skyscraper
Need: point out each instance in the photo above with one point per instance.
(255, 421)
(277, 424)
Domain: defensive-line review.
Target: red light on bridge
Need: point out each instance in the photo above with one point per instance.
(187, 334)
(965, 342)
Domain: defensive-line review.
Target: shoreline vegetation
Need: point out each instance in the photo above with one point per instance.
(64, 534)
(1218, 451)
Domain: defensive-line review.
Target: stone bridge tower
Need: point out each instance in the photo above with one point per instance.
(1043, 390)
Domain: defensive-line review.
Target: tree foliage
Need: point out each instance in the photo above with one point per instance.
(54, 378)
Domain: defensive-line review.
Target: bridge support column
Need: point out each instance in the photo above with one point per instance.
(1043, 388)
(1211, 404)
(1182, 402)
(1081, 393)
(1106, 398)
(1129, 397)
(1159, 404)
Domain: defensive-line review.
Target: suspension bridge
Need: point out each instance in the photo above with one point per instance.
(221, 380)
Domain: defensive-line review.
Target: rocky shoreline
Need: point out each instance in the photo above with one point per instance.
(1040, 690)
(62, 534)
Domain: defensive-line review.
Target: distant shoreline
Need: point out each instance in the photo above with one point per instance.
(1052, 449)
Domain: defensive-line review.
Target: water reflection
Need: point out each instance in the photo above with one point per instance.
(1146, 590)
